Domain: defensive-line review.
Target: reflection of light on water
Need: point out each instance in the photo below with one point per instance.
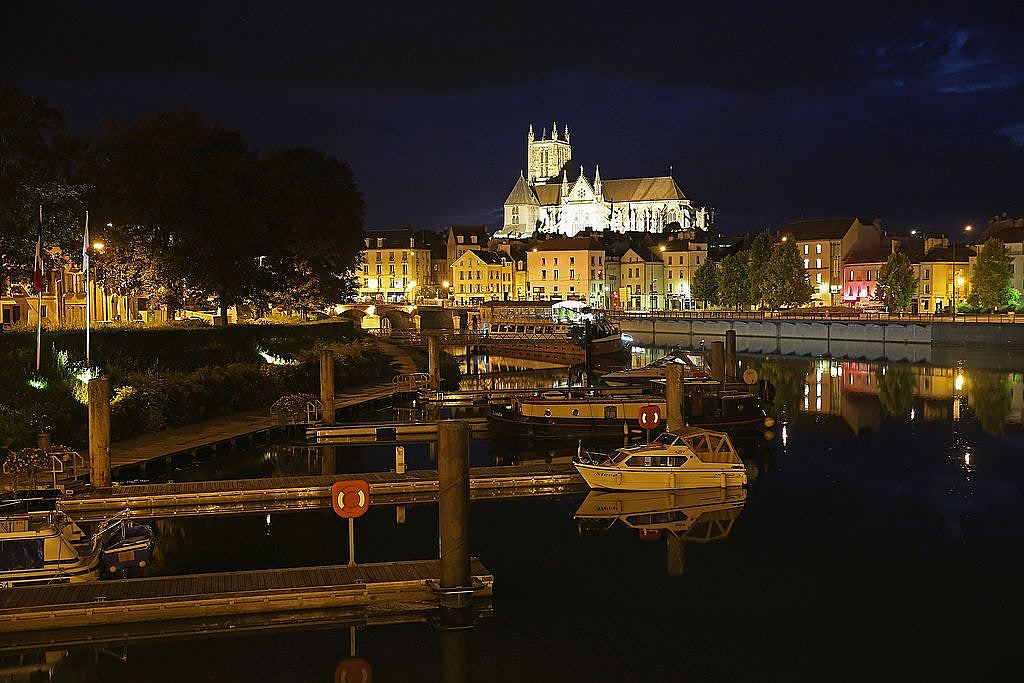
(967, 458)
(639, 349)
(912, 413)
(958, 381)
(785, 434)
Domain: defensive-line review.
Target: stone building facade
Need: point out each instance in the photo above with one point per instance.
(546, 200)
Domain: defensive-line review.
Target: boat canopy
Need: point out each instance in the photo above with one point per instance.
(706, 445)
(571, 311)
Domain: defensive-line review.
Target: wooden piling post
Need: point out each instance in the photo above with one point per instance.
(675, 555)
(327, 414)
(453, 502)
(400, 459)
(730, 355)
(99, 432)
(675, 410)
(718, 360)
(434, 361)
(328, 460)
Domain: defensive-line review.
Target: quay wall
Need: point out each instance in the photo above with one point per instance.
(833, 332)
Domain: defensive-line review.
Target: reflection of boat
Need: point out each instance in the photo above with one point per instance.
(37, 542)
(694, 362)
(691, 458)
(698, 514)
(544, 330)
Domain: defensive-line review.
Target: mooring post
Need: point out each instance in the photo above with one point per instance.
(400, 459)
(718, 360)
(676, 555)
(453, 502)
(675, 411)
(327, 387)
(730, 355)
(328, 460)
(99, 432)
(434, 361)
(455, 655)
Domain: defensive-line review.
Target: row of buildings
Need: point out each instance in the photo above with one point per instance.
(654, 270)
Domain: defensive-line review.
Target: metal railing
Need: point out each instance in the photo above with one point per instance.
(866, 316)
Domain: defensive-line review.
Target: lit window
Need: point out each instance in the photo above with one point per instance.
(817, 278)
(817, 263)
(817, 249)
(807, 249)
(807, 263)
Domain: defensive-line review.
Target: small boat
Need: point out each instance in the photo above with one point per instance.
(700, 515)
(694, 362)
(557, 331)
(129, 545)
(690, 458)
(38, 542)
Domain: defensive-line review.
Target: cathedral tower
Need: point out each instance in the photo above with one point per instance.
(547, 158)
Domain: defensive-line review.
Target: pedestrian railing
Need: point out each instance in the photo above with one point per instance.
(928, 318)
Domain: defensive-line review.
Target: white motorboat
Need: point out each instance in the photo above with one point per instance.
(37, 543)
(693, 361)
(687, 459)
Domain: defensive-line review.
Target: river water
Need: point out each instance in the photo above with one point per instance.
(882, 538)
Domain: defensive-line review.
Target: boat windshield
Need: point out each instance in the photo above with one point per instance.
(667, 439)
(618, 456)
(711, 447)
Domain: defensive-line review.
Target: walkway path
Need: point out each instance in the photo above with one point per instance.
(225, 429)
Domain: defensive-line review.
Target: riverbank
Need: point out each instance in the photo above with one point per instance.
(945, 334)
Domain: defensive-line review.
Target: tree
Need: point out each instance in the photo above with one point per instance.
(734, 281)
(705, 283)
(38, 164)
(315, 223)
(992, 276)
(187, 194)
(760, 255)
(896, 283)
(786, 281)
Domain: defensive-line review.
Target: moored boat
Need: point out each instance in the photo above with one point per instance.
(687, 459)
(694, 362)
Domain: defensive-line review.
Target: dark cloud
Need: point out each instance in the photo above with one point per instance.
(768, 111)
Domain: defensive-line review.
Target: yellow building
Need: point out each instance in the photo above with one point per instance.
(681, 259)
(823, 244)
(480, 275)
(395, 266)
(943, 276)
(567, 268)
(642, 279)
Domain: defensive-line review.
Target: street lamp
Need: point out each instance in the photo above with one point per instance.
(957, 280)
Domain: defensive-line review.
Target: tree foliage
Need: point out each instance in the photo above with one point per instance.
(760, 256)
(705, 283)
(991, 277)
(38, 166)
(734, 281)
(786, 282)
(199, 216)
(896, 283)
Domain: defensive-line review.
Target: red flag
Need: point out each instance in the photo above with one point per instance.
(37, 276)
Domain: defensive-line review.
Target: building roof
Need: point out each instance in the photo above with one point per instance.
(659, 188)
(818, 229)
(641, 189)
(467, 230)
(570, 244)
(522, 194)
(397, 238)
(1009, 235)
(647, 253)
(945, 254)
(491, 258)
(912, 247)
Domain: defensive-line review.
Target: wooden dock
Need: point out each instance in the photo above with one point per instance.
(388, 432)
(235, 495)
(269, 591)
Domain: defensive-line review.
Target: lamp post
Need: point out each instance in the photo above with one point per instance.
(967, 228)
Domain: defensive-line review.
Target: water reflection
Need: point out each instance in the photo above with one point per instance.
(696, 516)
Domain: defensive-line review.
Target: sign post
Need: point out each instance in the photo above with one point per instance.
(649, 418)
(350, 499)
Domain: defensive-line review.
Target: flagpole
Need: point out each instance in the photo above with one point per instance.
(39, 291)
(88, 295)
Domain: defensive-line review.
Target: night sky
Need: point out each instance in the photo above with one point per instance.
(908, 111)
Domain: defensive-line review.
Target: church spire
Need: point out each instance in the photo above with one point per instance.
(565, 184)
(530, 136)
(597, 179)
(554, 130)
(544, 134)
(567, 132)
